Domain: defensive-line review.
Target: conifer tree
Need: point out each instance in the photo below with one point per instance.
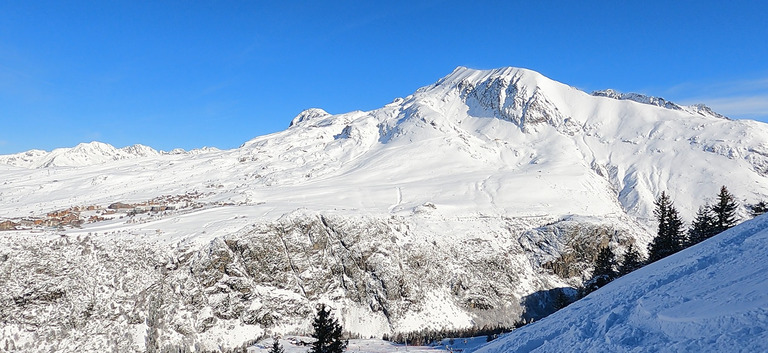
(603, 273)
(703, 226)
(561, 299)
(669, 238)
(605, 267)
(276, 347)
(631, 260)
(327, 333)
(759, 208)
(724, 210)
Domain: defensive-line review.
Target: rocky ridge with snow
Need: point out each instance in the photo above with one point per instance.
(443, 209)
(700, 109)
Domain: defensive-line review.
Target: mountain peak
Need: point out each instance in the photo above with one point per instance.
(309, 114)
(507, 74)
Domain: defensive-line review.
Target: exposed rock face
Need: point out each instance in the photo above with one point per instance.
(636, 97)
(505, 97)
(380, 274)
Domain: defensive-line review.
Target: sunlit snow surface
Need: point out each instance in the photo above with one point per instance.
(377, 346)
(507, 141)
(712, 297)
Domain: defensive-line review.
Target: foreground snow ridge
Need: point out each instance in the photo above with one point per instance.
(712, 297)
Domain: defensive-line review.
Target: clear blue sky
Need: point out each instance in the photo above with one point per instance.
(217, 73)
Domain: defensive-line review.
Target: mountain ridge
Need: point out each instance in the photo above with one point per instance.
(460, 78)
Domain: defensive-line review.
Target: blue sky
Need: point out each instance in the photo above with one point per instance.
(217, 73)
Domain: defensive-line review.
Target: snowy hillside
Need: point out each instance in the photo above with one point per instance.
(712, 297)
(449, 208)
(477, 141)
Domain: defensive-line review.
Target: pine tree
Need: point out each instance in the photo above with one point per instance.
(669, 238)
(605, 267)
(759, 208)
(561, 299)
(703, 226)
(276, 347)
(327, 333)
(724, 210)
(631, 261)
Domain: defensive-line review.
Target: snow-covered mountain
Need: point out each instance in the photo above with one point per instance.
(81, 155)
(708, 298)
(447, 208)
(87, 154)
(700, 109)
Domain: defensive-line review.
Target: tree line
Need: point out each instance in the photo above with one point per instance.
(425, 336)
(671, 236)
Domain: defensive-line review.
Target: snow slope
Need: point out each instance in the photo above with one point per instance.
(712, 297)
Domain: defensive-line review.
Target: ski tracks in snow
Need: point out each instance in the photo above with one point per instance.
(399, 202)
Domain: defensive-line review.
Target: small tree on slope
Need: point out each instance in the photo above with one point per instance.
(327, 333)
(605, 267)
(276, 347)
(604, 272)
(759, 208)
(724, 210)
(631, 261)
(669, 238)
(703, 226)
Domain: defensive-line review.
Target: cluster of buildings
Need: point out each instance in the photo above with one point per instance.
(78, 215)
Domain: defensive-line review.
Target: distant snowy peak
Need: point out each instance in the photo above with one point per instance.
(697, 109)
(308, 115)
(83, 154)
(140, 150)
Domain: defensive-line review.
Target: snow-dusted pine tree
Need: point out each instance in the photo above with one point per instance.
(276, 347)
(758, 208)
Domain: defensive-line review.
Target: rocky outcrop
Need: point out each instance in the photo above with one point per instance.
(268, 277)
